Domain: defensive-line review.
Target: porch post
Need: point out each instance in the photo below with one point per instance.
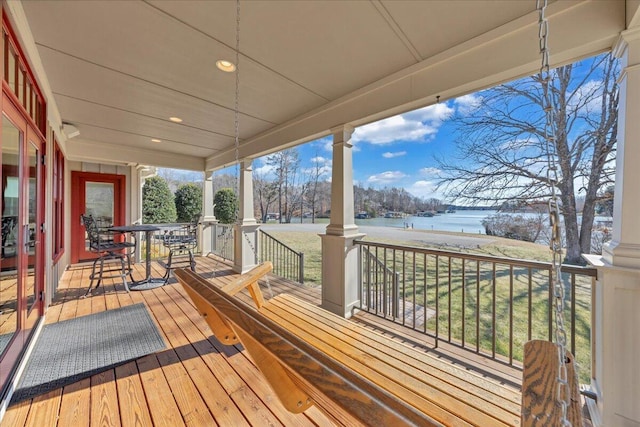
(339, 254)
(245, 255)
(139, 174)
(205, 239)
(616, 313)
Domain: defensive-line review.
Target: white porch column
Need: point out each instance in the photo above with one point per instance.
(616, 328)
(339, 254)
(245, 248)
(209, 220)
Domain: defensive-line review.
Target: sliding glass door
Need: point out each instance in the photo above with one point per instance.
(21, 254)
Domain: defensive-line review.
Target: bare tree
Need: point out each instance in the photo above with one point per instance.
(285, 164)
(294, 192)
(316, 174)
(265, 194)
(225, 180)
(502, 154)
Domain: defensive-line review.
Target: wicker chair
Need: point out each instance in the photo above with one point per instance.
(109, 246)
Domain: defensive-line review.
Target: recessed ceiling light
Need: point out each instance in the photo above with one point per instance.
(155, 140)
(175, 119)
(226, 66)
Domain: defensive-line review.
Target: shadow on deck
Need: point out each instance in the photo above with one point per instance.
(196, 380)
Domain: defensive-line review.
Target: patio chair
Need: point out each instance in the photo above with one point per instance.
(181, 242)
(109, 246)
(8, 228)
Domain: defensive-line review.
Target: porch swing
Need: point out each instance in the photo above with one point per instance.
(313, 357)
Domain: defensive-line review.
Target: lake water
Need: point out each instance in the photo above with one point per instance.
(460, 221)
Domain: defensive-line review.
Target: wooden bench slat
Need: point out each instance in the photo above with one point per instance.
(481, 387)
(479, 384)
(290, 394)
(418, 364)
(443, 401)
(237, 375)
(539, 386)
(327, 382)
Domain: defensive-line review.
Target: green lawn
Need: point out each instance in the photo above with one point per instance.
(418, 283)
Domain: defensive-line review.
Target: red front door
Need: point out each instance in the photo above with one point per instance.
(97, 194)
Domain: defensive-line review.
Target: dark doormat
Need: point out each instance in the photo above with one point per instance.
(72, 350)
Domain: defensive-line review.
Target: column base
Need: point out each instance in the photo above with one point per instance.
(616, 343)
(205, 234)
(245, 248)
(340, 273)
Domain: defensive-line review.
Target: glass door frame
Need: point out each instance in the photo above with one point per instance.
(36, 310)
(27, 317)
(79, 180)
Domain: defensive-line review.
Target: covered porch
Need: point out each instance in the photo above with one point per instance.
(119, 103)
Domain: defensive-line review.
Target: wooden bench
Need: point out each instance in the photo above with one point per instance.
(311, 356)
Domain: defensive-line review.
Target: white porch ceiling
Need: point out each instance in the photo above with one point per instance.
(119, 69)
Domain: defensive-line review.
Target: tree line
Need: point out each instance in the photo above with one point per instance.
(289, 191)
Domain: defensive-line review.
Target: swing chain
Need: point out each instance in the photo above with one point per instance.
(562, 391)
(236, 113)
(236, 109)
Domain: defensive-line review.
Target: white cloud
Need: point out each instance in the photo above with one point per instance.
(390, 155)
(432, 113)
(324, 171)
(429, 171)
(425, 189)
(588, 97)
(326, 143)
(319, 159)
(418, 125)
(323, 164)
(265, 170)
(467, 104)
(386, 177)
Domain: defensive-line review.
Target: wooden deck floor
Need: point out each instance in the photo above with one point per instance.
(197, 381)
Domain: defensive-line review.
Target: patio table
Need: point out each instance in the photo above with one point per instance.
(148, 282)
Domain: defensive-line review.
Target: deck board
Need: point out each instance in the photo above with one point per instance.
(75, 407)
(196, 381)
(44, 409)
(131, 398)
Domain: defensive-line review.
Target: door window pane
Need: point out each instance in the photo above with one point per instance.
(20, 89)
(11, 69)
(11, 138)
(99, 198)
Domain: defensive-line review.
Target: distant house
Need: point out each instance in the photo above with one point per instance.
(393, 214)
